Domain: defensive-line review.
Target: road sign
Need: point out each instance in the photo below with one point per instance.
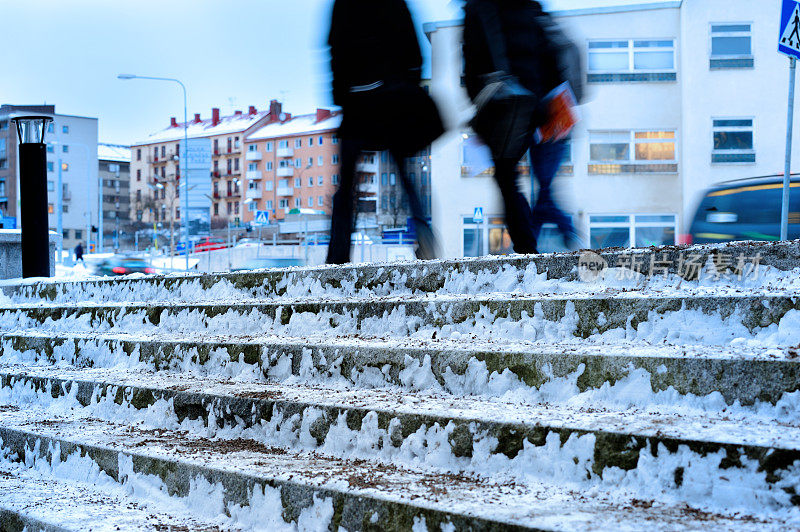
(262, 218)
(477, 216)
(789, 36)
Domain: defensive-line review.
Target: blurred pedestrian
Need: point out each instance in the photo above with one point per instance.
(79, 253)
(518, 66)
(377, 67)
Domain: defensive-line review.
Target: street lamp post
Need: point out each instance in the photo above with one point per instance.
(183, 157)
(33, 195)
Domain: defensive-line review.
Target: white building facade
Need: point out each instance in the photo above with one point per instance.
(680, 95)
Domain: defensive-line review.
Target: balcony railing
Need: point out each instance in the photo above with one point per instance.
(235, 194)
(253, 156)
(254, 193)
(286, 171)
(367, 167)
(284, 191)
(285, 152)
(253, 175)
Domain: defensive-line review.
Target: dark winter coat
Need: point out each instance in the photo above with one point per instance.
(371, 40)
(515, 28)
(377, 66)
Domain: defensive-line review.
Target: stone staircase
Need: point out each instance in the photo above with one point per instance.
(480, 394)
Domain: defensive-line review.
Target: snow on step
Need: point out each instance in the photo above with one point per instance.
(539, 274)
(387, 496)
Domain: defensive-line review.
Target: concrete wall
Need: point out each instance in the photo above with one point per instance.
(11, 253)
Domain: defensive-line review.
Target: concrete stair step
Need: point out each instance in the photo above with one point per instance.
(527, 317)
(363, 494)
(72, 495)
(619, 433)
(745, 375)
(459, 275)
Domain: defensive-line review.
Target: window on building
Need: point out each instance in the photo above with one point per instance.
(636, 230)
(392, 179)
(269, 147)
(283, 203)
(50, 208)
(334, 140)
(177, 213)
(335, 159)
(252, 206)
(138, 195)
(268, 165)
(65, 208)
(65, 129)
(320, 181)
(384, 202)
(298, 202)
(50, 148)
(252, 148)
(311, 201)
(631, 60)
(268, 205)
(252, 167)
(268, 186)
(51, 186)
(423, 178)
(78, 234)
(216, 209)
(733, 141)
(283, 144)
(298, 143)
(320, 201)
(138, 154)
(236, 208)
(311, 181)
(320, 161)
(335, 179)
(283, 183)
(163, 152)
(321, 141)
(626, 152)
(236, 165)
(311, 141)
(298, 163)
(731, 46)
(49, 166)
(64, 148)
(230, 208)
(298, 182)
(310, 162)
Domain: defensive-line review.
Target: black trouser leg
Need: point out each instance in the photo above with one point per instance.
(426, 241)
(342, 215)
(519, 218)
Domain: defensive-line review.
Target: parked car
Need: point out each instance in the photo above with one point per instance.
(262, 263)
(120, 265)
(209, 244)
(745, 209)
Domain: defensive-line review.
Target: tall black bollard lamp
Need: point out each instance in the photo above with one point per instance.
(33, 195)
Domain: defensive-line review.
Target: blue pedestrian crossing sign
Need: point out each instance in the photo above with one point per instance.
(262, 218)
(789, 38)
(477, 216)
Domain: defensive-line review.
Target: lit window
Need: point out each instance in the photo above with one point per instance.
(733, 141)
(731, 46)
(623, 152)
(50, 208)
(65, 167)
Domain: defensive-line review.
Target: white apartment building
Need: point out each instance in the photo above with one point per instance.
(681, 95)
(72, 149)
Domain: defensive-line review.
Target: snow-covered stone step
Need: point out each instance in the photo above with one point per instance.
(662, 318)
(745, 373)
(244, 475)
(534, 273)
(391, 425)
(72, 494)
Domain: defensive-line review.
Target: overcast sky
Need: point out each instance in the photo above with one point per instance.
(229, 53)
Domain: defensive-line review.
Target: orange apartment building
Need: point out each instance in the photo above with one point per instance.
(292, 163)
(155, 166)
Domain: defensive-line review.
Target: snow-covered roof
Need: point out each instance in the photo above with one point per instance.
(205, 128)
(298, 125)
(113, 152)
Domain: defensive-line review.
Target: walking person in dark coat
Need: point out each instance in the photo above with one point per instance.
(79, 253)
(377, 65)
(513, 29)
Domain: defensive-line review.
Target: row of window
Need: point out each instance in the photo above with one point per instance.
(285, 203)
(298, 143)
(730, 46)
